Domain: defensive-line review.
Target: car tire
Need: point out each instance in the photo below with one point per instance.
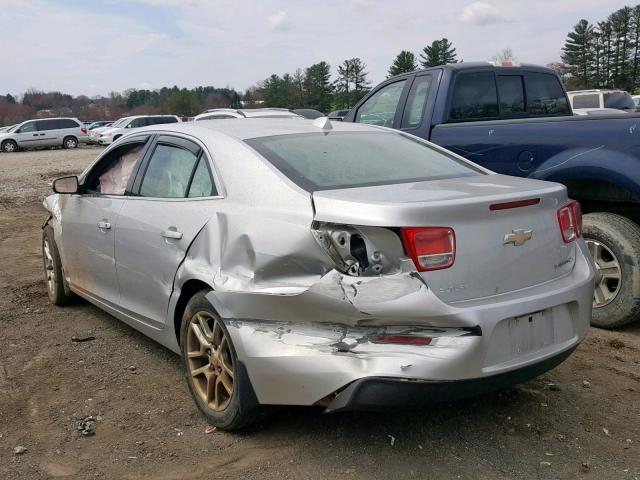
(614, 244)
(9, 146)
(212, 372)
(70, 142)
(58, 292)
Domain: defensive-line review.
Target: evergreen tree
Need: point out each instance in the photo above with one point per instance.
(579, 54)
(405, 62)
(440, 52)
(317, 86)
(361, 84)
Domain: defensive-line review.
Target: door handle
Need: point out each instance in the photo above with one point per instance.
(36, 134)
(172, 233)
(104, 225)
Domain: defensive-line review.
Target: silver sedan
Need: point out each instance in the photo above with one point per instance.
(315, 263)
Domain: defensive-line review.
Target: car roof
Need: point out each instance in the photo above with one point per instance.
(257, 127)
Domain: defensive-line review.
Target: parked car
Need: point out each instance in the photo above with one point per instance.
(345, 266)
(225, 113)
(617, 99)
(114, 132)
(532, 132)
(47, 132)
(338, 115)
(598, 111)
(308, 113)
(94, 134)
(636, 102)
(100, 123)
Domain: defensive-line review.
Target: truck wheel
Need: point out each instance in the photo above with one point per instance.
(614, 244)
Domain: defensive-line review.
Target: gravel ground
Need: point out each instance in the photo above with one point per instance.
(581, 420)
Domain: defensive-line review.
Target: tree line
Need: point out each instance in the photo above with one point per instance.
(312, 87)
(180, 101)
(604, 55)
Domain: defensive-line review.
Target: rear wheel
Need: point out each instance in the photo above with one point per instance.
(53, 275)
(218, 383)
(70, 142)
(9, 146)
(614, 244)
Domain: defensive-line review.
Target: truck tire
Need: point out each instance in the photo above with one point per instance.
(614, 244)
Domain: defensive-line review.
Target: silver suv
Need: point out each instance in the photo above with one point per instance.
(48, 132)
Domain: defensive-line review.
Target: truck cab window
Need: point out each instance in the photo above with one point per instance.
(545, 95)
(474, 97)
(416, 100)
(380, 108)
(511, 92)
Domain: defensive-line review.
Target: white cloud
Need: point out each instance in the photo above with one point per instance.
(482, 13)
(278, 22)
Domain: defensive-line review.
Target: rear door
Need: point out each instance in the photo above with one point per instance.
(175, 196)
(49, 130)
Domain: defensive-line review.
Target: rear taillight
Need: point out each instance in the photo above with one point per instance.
(570, 221)
(83, 130)
(430, 248)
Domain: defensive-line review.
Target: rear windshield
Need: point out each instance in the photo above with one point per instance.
(320, 161)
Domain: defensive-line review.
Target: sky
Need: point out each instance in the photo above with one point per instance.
(93, 47)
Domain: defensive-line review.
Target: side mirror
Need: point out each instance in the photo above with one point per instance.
(66, 185)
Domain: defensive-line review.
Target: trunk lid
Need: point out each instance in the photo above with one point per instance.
(485, 265)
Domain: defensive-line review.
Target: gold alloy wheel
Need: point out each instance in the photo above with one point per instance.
(49, 266)
(608, 273)
(210, 361)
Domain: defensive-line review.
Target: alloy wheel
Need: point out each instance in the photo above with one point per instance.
(210, 361)
(70, 143)
(608, 273)
(9, 147)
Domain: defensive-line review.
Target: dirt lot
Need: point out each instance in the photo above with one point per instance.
(581, 420)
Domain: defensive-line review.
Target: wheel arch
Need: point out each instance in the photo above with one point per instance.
(187, 291)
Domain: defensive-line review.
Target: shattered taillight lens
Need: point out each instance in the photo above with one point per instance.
(430, 248)
(570, 221)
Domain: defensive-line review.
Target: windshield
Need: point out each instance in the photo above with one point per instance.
(320, 161)
(120, 122)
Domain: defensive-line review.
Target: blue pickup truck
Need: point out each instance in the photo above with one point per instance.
(517, 120)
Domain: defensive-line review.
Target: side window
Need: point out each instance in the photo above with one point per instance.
(586, 101)
(380, 108)
(137, 122)
(619, 100)
(545, 95)
(169, 120)
(511, 93)
(416, 100)
(28, 127)
(168, 173)
(67, 123)
(44, 125)
(474, 97)
(201, 184)
(111, 175)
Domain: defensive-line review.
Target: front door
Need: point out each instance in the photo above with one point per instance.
(90, 220)
(28, 135)
(174, 197)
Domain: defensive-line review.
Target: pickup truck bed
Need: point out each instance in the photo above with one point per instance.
(517, 121)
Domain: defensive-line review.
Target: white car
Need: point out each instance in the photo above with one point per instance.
(223, 113)
(598, 111)
(113, 133)
(617, 99)
(94, 135)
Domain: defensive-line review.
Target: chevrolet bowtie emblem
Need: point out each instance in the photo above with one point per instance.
(518, 237)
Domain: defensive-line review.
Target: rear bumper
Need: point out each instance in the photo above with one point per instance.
(306, 348)
(375, 393)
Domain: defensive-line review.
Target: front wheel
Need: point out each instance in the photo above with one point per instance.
(52, 265)
(9, 146)
(218, 382)
(70, 142)
(614, 244)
